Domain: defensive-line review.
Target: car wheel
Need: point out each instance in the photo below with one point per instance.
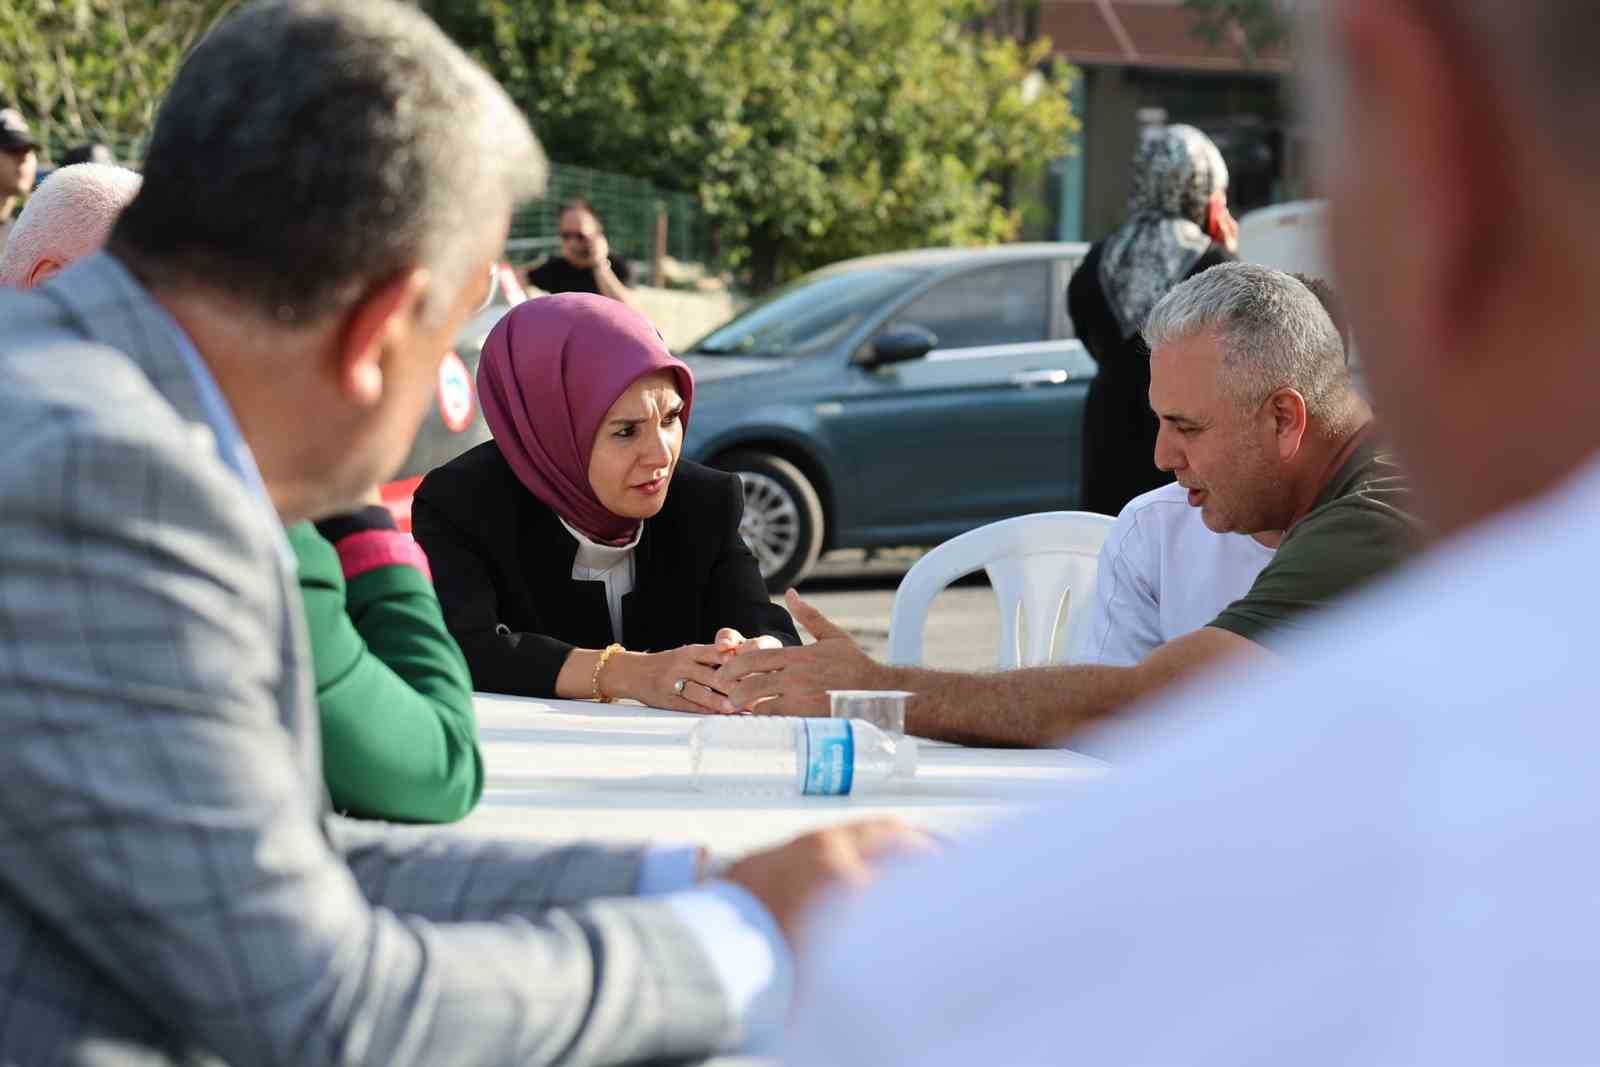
(782, 521)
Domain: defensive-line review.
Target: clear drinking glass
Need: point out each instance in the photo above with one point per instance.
(883, 708)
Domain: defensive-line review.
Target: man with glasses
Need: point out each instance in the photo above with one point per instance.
(19, 162)
(585, 264)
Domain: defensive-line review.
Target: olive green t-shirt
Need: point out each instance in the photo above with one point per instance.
(1358, 529)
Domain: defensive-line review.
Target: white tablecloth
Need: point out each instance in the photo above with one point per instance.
(562, 770)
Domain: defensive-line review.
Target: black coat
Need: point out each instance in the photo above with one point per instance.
(1119, 429)
(502, 564)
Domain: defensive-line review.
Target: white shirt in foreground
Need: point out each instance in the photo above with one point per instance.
(610, 564)
(1164, 574)
(1378, 850)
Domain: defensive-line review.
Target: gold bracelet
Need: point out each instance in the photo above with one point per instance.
(611, 650)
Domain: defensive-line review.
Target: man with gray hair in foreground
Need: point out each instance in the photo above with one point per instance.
(1262, 425)
(257, 345)
(67, 217)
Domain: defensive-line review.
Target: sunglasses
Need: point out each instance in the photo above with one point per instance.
(573, 235)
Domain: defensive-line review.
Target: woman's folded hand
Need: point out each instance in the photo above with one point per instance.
(730, 642)
(684, 679)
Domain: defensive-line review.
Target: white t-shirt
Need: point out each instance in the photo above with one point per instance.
(1163, 574)
(1379, 849)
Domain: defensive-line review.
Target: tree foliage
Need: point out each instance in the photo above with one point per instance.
(1252, 26)
(95, 70)
(810, 130)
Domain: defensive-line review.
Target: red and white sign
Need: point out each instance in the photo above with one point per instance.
(457, 404)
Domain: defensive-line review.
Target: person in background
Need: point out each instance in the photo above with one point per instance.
(1376, 851)
(1163, 573)
(88, 153)
(1265, 431)
(394, 695)
(399, 736)
(1332, 303)
(70, 216)
(585, 263)
(257, 344)
(1178, 226)
(576, 554)
(19, 161)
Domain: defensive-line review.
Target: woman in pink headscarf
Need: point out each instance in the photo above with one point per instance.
(575, 554)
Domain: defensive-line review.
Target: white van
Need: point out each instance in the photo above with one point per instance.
(1293, 237)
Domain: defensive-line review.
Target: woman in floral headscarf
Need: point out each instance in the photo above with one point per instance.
(1178, 226)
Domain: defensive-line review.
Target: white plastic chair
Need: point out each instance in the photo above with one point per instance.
(1042, 568)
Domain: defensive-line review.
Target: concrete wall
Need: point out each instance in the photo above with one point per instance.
(684, 317)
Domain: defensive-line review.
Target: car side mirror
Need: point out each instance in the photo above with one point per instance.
(901, 344)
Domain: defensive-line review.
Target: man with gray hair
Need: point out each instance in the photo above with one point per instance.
(69, 216)
(1380, 851)
(257, 345)
(1262, 426)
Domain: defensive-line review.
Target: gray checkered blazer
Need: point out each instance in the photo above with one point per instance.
(172, 889)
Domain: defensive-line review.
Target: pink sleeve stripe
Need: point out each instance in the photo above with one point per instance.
(371, 549)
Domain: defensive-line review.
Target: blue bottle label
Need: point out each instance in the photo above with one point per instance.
(830, 757)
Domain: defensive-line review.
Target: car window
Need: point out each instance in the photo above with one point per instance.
(806, 315)
(1064, 270)
(1002, 305)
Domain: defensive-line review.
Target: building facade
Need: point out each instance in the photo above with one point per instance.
(1141, 62)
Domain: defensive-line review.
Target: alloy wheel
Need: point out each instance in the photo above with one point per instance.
(771, 523)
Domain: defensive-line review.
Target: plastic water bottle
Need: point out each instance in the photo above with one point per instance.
(758, 756)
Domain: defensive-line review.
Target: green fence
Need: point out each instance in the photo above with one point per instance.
(630, 208)
(58, 141)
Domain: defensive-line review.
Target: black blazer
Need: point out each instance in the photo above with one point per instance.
(502, 564)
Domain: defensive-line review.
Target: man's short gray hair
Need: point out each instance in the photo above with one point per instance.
(1539, 55)
(309, 148)
(1274, 333)
(1545, 51)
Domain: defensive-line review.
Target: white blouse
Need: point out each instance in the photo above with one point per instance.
(611, 564)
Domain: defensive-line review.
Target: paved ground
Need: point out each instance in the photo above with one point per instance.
(858, 594)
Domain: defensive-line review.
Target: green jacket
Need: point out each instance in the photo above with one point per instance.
(399, 735)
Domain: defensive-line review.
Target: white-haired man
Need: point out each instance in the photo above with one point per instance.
(1381, 851)
(1163, 573)
(69, 216)
(1264, 429)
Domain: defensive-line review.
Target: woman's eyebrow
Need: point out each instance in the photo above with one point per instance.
(675, 408)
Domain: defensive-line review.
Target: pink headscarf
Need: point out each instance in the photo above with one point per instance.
(550, 371)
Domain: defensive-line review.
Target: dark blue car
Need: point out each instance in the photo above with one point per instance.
(899, 399)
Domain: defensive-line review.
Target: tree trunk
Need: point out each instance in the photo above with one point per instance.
(765, 253)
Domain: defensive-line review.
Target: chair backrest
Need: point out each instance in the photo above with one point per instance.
(1042, 569)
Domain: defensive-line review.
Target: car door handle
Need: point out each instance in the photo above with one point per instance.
(1052, 376)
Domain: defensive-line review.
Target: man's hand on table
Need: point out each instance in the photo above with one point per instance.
(790, 879)
(795, 681)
